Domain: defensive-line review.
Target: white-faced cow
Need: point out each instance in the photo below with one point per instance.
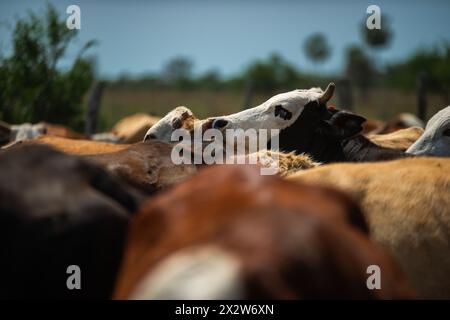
(435, 141)
(305, 124)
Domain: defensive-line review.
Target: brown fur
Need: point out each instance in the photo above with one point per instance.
(291, 241)
(400, 140)
(372, 126)
(407, 205)
(145, 165)
(79, 147)
(132, 129)
(58, 130)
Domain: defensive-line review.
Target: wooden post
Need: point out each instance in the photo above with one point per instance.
(94, 102)
(422, 96)
(248, 94)
(345, 93)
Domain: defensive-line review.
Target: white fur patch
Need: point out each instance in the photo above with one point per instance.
(260, 117)
(433, 142)
(202, 273)
(163, 129)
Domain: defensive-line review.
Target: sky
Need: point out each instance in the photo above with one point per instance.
(137, 36)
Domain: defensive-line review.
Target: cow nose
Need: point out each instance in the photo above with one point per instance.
(219, 123)
(150, 136)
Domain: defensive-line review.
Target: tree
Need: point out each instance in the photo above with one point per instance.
(33, 87)
(178, 72)
(271, 74)
(377, 39)
(316, 48)
(359, 68)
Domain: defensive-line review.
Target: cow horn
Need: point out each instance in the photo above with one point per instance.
(328, 94)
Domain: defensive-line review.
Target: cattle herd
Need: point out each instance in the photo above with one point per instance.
(351, 196)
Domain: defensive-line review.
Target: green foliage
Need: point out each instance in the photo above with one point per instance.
(178, 72)
(377, 38)
(32, 85)
(271, 74)
(434, 62)
(316, 48)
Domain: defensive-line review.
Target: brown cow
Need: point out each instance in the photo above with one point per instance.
(230, 233)
(407, 205)
(145, 165)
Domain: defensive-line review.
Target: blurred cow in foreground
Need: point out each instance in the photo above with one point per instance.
(407, 206)
(57, 211)
(230, 233)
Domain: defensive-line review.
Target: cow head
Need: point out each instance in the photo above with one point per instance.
(180, 117)
(279, 112)
(305, 122)
(435, 141)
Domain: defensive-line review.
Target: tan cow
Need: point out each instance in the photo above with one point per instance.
(401, 139)
(133, 128)
(130, 129)
(230, 233)
(407, 205)
(78, 147)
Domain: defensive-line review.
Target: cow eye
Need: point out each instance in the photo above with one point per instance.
(447, 132)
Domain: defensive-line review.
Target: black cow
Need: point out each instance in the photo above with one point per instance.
(56, 211)
(332, 135)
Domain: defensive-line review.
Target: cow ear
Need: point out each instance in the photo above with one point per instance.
(348, 124)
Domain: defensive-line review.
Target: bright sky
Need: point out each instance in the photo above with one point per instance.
(136, 37)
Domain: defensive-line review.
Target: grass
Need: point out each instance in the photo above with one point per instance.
(116, 104)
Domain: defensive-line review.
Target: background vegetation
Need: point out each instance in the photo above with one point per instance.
(34, 86)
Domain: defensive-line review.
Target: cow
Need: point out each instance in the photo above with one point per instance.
(60, 215)
(133, 128)
(400, 140)
(27, 131)
(76, 147)
(147, 166)
(265, 239)
(407, 206)
(130, 129)
(435, 141)
(401, 121)
(305, 124)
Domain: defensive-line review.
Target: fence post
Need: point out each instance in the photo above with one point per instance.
(248, 94)
(422, 96)
(94, 102)
(345, 93)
